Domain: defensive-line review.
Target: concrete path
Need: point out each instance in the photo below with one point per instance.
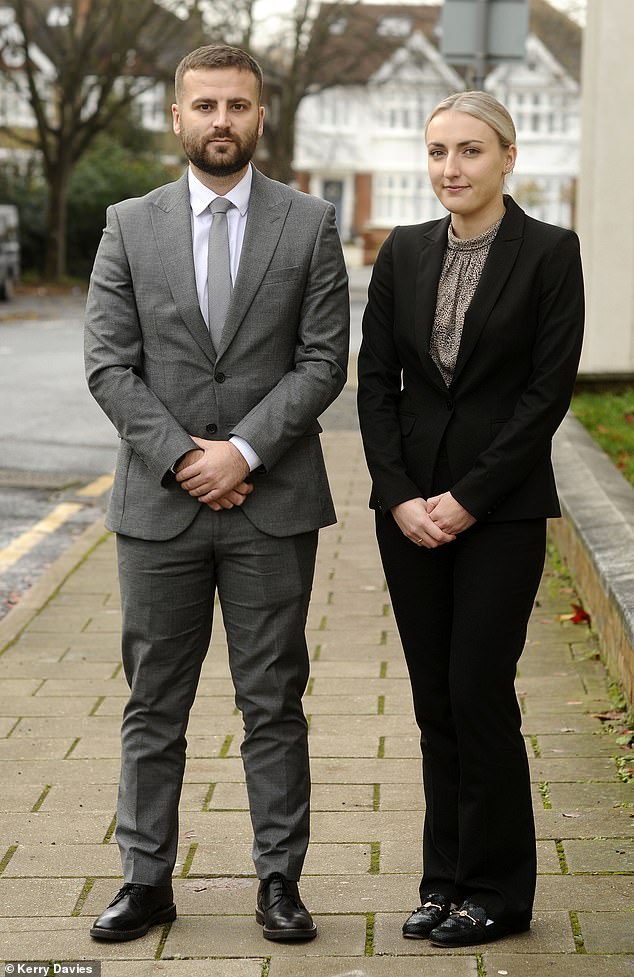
(61, 694)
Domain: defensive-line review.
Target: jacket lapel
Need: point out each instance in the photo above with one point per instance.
(265, 221)
(172, 222)
(430, 263)
(497, 268)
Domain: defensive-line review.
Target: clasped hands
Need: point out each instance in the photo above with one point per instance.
(214, 473)
(434, 522)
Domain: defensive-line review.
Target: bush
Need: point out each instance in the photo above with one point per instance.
(107, 173)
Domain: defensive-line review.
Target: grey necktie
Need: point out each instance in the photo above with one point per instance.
(219, 286)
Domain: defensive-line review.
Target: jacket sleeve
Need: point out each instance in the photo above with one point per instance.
(379, 389)
(526, 436)
(113, 350)
(287, 412)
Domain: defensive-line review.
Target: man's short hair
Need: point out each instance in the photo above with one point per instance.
(217, 56)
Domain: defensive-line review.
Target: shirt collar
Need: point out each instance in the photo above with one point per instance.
(201, 196)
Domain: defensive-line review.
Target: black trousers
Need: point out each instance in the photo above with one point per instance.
(462, 612)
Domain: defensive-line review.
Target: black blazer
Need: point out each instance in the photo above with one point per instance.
(514, 375)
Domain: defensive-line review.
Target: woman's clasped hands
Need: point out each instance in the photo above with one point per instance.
(432, 523)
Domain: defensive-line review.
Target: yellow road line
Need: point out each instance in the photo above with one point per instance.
(98, 487)
(28, 540)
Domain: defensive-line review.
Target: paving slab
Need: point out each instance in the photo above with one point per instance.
(64, 938)
(184, 968)
(557, 965)
(322, 859)
(585, 892)
(601, 796)
(582, 822)
(574, 769)
(231, 936)
(54, 829)
(386, 966)
(37, 705)
(608, 932)
(600, 855)
(63, 861)
(325, 797)
(575, 745)
(41, 897)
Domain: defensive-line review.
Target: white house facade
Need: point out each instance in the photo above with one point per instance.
(361, 145)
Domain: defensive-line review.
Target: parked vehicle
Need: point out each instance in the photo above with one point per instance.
(9, 250)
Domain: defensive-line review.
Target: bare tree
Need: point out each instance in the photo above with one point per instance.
(230, 21)
(316, 46)
(316, 50)
(98, 58)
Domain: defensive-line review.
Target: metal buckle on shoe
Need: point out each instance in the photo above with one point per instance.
(463, 912)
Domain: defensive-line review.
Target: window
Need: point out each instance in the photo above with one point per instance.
(394, 27)
(151, 105)
(339, 26)
(398, 198)
(59, 16)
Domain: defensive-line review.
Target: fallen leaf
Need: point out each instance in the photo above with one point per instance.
(628, 417)
(578, 617)
(605, 716)
(602, 429)
(570, 815)
(567, 729)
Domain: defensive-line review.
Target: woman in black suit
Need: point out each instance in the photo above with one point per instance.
(471, 341)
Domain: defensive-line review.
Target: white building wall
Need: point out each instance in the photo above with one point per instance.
(606, 198)
(378, 129)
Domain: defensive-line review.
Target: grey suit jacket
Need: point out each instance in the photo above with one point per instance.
(151, 365)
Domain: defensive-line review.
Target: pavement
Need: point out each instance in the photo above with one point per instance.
(61, 695)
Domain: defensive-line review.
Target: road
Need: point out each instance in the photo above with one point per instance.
(55, 443)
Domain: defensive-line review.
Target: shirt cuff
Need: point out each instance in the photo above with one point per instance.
(252, 459)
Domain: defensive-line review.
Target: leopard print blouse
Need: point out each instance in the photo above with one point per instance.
(461, 270)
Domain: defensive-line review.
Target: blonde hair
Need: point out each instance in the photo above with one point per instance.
(484, 107)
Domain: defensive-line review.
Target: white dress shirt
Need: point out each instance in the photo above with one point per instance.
(200, 197)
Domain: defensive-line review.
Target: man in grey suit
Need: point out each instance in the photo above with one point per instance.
(216, 333)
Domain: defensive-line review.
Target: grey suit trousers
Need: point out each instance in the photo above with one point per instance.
(168, 588)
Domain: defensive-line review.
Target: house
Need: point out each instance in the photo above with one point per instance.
(147, 73)
(360, 134)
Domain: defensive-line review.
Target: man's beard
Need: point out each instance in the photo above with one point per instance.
(228, 157)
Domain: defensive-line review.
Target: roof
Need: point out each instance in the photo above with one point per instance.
(351, 43)
(557, 32)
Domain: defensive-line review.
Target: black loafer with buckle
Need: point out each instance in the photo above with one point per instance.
(469, 925)
(423, 920)
(281, 912)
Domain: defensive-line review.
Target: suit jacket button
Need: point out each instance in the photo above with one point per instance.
(449, 403)
(211, 428)
(219, 377)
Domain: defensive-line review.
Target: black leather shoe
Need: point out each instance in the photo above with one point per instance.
(133, 910)
(281, 912)
(423, 920)
(467, 926)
